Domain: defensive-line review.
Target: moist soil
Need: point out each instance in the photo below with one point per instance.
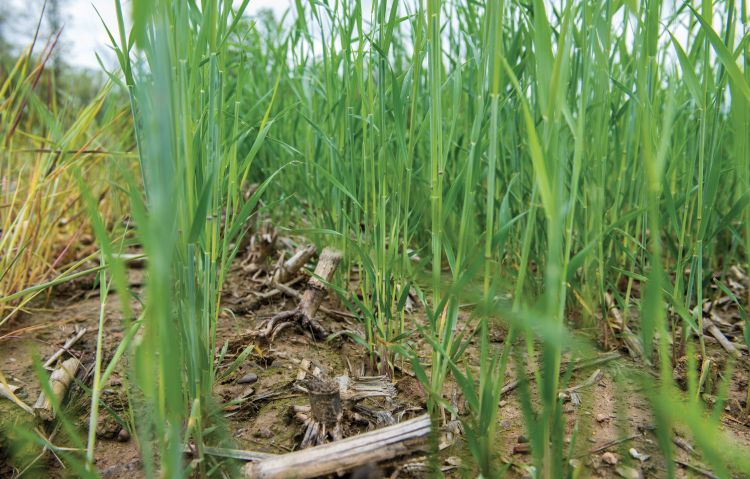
(608, 420)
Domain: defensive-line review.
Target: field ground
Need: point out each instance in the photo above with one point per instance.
(614, 428)
(477, 238)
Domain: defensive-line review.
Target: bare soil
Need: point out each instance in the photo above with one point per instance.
(609, 420)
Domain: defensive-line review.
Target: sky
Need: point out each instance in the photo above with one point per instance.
(84, 35)
(83, 32)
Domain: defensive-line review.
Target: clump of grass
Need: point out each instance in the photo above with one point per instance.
(44, 139)
(569, 153)
(191, 213)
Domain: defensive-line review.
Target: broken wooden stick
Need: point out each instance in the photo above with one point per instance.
(261, 247)
(291, 267)
(313, 296)
(317, 286)
(628, 337)
(59, 382)
(728, 346)
(331, 313)
(68, 344)
(255, 299)
(340, 456)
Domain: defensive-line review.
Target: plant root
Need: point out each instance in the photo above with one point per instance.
(304, 314)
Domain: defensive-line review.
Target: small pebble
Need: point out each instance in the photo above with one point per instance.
(609, 458)
(602, 417)
(637, 455)
(248, 378)
(123, 435)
